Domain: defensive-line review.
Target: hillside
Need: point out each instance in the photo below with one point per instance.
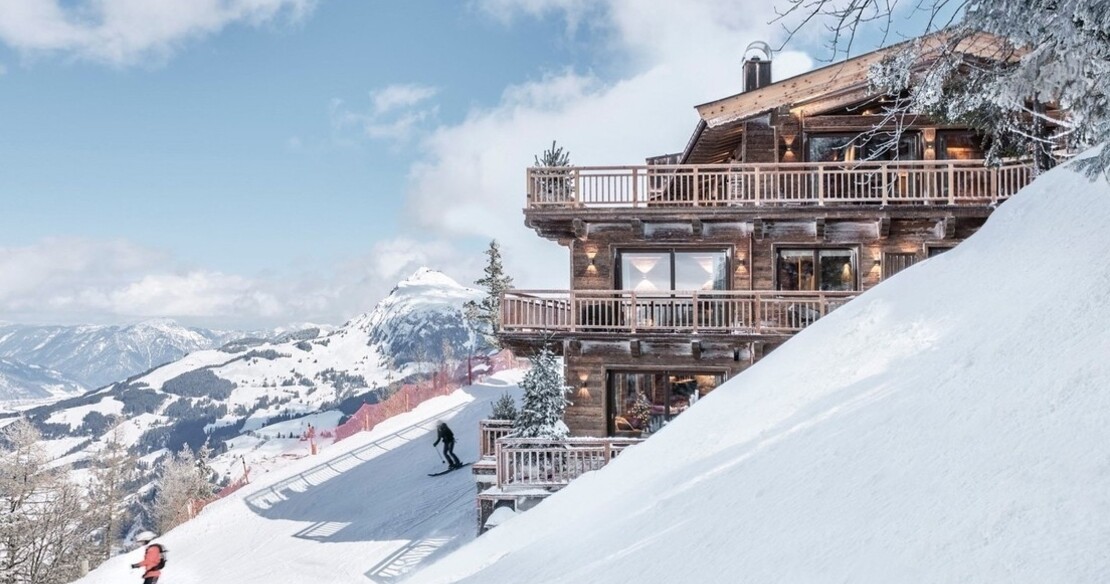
(949, 425)
(245, 385)
(21, 384)
(94, 356)
(363, 510)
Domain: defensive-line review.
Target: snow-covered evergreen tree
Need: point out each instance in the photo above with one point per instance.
(553, 184)
(504, 408)
(641, 411)
(486, 313)
(545, 400)
(180, 485)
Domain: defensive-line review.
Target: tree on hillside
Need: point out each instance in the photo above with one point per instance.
(1052, 53)
(181, 483)
(113, 470)
(545, 400)
(504, 408)
(42, 514)
(487, 311)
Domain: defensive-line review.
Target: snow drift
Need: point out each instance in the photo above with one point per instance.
(950, 425)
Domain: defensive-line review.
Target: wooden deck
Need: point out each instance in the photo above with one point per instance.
(731, 312)
(551, 464)
(921, 182)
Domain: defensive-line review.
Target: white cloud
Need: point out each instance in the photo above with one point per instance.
(123, 32)
(471, 181)
(400, 95)
(85, 280)
(393, 113)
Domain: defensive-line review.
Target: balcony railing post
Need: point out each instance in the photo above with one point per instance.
(635, 187)
(886, 182)
(634, 317)
(994, 185)
(530, 187)
(575, 313)
(578, 187)
(820, 185)
(951, 184)
(758, 313)
(694, 312)
(757, 186)
(696, 187)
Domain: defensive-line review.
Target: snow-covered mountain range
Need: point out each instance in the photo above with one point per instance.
(245, 384)
(20, 382)
(93, 356)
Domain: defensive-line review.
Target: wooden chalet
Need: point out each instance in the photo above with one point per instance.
(783, 206)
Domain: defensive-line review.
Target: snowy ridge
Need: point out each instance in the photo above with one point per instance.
(947, 426)
(251, 393)
(94, 356)
(21, 383)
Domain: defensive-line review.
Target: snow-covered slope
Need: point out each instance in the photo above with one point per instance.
(245, 385)
(950, 425)
(363, 510)
(20, 382)
(95, 356)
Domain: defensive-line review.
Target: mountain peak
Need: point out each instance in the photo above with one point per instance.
(429, 277)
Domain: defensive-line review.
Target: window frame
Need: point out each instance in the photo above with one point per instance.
(618, 263)
(776, 248)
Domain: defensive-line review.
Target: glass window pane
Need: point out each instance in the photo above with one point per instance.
(705, 270)
(646, 271)
(838, 269)
(830, 148)
(795, 269)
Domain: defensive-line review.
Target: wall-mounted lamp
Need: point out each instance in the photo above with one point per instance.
(583, 393)
(928, 144)
(741, 262)
(878, 262)
(591, 254)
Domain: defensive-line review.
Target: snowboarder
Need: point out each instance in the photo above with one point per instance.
(444, 433)
(153, 558)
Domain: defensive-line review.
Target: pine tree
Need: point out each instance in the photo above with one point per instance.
(486, 313)
(545, 400)
(553, 184)
(504, 408)
(641, 411)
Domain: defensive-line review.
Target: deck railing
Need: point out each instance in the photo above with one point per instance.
(941, 182)
(627, 311)
(489, 432)
(528, 462)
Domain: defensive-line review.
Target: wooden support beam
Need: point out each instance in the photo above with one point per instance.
(634, 347)
(575, 346)
(884, 227)
(637, 227)
(695, 349)
(696, 226)
(819, 228)
(759, 229)
(947, 226)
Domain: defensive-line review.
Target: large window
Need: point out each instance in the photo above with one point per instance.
(673, 269)
(832, 269)
(852, 147)
(959, 145)
(662, 396)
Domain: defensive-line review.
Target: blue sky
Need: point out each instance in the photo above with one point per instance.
(245, 164)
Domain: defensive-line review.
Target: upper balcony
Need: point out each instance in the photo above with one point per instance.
(721, 188)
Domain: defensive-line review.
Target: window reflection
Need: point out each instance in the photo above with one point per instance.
(674, 270)
(642, 402)
(836, 269)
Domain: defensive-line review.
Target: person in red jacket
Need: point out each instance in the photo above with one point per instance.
(153, 559)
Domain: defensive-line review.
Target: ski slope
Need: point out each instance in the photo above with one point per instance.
(951, 425)
(363, 510)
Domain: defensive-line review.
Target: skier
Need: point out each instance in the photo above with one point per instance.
(153, 558)
(444, 433)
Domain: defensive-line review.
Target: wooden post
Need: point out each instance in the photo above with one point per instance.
(886, 182)
(758, 313)
(694, 312)
(578, 187)
(758, 187)
(696, 187)
(951, 184)
(820, 185)
(635, 316)
(635, 187)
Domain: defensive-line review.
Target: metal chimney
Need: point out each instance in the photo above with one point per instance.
(757, 65)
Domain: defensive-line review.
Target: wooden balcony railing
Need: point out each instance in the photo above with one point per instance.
(489, 432)
(941, 182)
(628, 312)
(527, 462)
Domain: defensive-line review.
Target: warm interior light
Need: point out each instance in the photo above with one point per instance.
(583, 393)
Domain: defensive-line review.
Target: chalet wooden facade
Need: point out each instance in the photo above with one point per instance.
(783, 206)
